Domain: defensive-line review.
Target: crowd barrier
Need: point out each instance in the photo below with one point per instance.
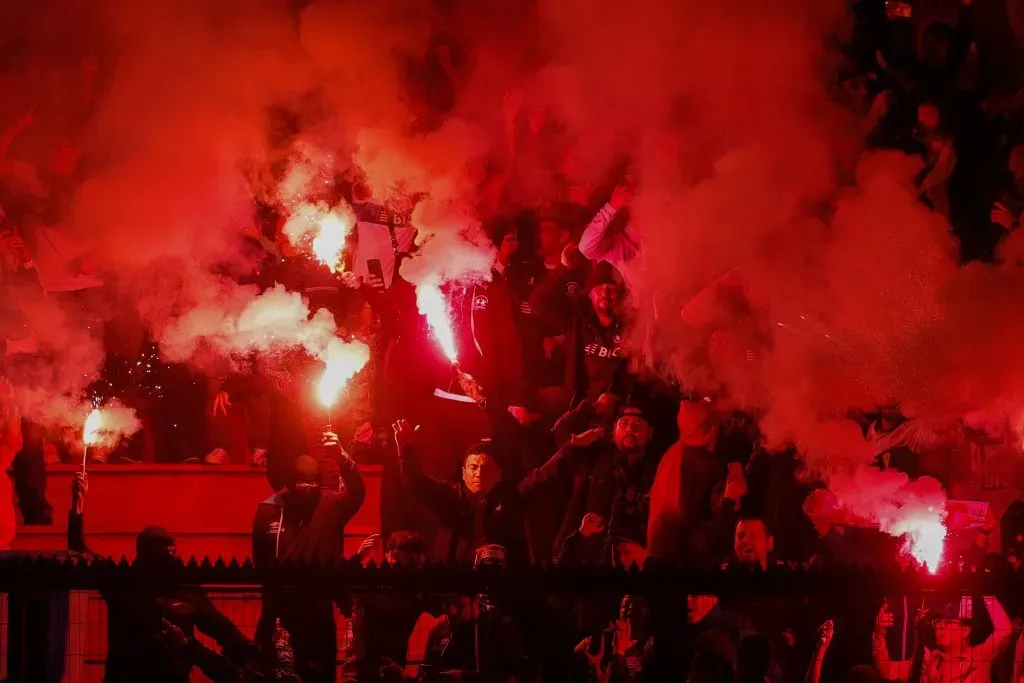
(53, 619)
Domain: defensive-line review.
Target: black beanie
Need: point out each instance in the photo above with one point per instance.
(603, 273)
(502, 228)
(153, 540)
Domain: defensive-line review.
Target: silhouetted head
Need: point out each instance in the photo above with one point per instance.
(304, 489)
(155, 550)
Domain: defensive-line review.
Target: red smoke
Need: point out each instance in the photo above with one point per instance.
(846, 291)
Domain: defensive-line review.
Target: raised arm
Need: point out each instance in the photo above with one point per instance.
(1002, 626)
(76, 515)
(888, 669)
(825, 633)
(441, 496)
(212, 622)
(353, 493)
(597, 243)
(566, 457)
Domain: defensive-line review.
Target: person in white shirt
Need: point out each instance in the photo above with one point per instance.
(602, 241)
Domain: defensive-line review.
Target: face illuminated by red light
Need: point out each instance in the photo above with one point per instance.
(551, 239)
(1017, 162)
(928, 116)
(694, 422)
(480, 473)
(509, 247)
(605, 298)
(632, 434)
(752, 543)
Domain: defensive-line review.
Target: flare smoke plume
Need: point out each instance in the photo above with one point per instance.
(842, 290)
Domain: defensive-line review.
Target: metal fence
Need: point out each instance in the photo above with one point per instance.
(234, 589)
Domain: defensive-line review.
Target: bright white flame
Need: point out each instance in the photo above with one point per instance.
(93, 425)
(343, 361)
(924, 539)
(330, 239)
(433, 307)
(320, 229)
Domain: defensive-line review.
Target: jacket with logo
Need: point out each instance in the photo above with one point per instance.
(596, 356)
(486, 338)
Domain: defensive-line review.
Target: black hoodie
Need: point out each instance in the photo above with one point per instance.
(286, 532)
(136, 612)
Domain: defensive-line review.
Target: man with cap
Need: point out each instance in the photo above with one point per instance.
(611, 489)
(305, 522)
(945, 649)
(140, 611)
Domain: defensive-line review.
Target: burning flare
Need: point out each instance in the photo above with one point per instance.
(322, 230)
(93, 425)
(343, 361)
(924, 537)
(330, 240)
(434, 308)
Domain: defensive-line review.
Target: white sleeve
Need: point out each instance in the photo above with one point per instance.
(598, 245)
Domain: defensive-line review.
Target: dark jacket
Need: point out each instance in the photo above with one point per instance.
(135, 649)
(487, 340)
(605, 484)
(596, 357)
(281, 533)
(504, 511)
(284, 534)
(488, 649)
(557, 302)
(136, 610)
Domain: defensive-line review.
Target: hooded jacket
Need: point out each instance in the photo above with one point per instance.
(283, 533)
(136, 615)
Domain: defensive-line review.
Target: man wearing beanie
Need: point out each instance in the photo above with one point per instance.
(611, 503)
(142, 609)
(595, 344)
(305, 522)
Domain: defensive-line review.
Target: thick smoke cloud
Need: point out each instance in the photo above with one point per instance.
(836, 288)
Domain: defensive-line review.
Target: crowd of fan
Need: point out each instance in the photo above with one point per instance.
(545, 444)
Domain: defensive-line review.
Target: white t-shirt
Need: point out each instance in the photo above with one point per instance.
(374, 239)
